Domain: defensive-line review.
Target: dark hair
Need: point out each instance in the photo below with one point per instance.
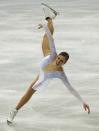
(65, 54)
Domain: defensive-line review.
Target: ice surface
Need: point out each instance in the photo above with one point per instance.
(77, 32)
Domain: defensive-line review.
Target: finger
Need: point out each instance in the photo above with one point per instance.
(88, 110)
(85, 108)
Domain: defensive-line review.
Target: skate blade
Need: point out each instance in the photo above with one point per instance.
(9, 122)
(54, 11)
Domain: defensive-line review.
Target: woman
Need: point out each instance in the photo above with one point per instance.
(50, 67)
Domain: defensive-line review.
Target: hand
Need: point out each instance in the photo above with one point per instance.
(86, 107)
(40, 26)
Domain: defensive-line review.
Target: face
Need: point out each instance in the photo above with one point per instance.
(60, 60)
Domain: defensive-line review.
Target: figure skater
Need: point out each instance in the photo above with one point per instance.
(51, 67)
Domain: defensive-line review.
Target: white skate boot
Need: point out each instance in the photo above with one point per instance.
(12, 116)
(49, 12)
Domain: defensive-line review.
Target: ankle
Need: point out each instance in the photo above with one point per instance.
(16, 108)
(48, 18)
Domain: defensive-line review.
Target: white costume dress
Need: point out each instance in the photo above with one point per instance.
(45, 77)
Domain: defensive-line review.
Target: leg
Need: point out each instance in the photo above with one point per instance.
(22, 102)
(27, 95)
(25, 98)
(50, 25)
(45, 43)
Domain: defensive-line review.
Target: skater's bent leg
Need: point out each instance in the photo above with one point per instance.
(27, 95)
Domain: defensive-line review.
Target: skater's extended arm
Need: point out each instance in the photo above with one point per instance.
(70, 88)
(74, 92)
